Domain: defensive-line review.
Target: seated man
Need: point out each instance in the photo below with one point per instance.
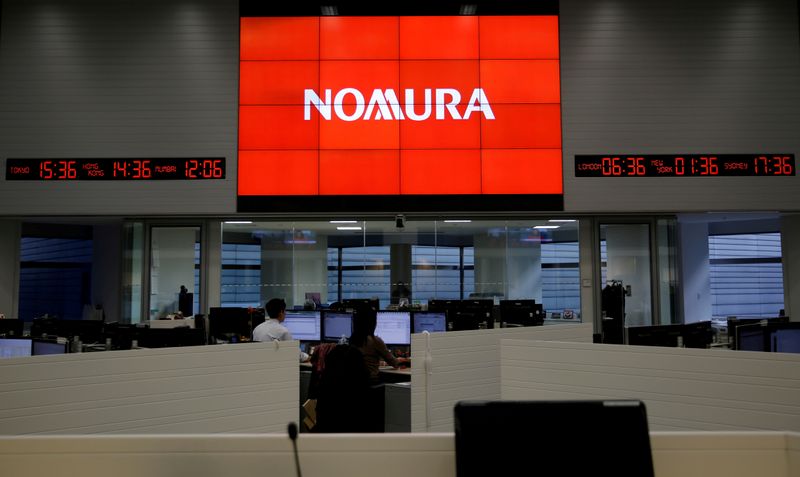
(272, 329)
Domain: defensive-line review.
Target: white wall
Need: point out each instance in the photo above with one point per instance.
(198, 389)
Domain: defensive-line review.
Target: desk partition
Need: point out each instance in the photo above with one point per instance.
(715, 454)
(466, 365)
(248, 387)
(684, 389)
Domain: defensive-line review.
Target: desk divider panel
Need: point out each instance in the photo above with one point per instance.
(696, 454)
(684, 389)
(466, 365)
(241, 388)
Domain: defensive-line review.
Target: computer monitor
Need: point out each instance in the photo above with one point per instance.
(784, 337)
(89, 331)
(353, 303)
(443, 305)
(231, 324)
(697, 335)
(612, 435)
(122, 334)
(752, 337)
(734, 323)
(473, 315)
(171, 337)
(11, 328)
(521, 313)
(304, 325)
(656, 335)
(430, 321)
(41, 347)
(394, 327)
(336, 325)
(15, 347)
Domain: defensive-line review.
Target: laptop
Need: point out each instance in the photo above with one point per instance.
(563, 438)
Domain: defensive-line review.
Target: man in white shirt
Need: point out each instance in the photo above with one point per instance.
(272, 329)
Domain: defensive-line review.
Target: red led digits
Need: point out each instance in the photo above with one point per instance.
(141, 169)
(699, 165)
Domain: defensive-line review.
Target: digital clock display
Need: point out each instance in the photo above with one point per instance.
(684, 165)
(115, 169)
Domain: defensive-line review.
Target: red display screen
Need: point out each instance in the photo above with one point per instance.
(385, 108)
(116, 169)
(684, 165)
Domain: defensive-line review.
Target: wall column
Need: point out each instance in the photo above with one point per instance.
(694, 271)
(10, 233)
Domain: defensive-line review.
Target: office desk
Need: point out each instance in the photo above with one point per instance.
(686, 454)
(390, 375)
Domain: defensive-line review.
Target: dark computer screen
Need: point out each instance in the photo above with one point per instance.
(752, 337)
(784, 337)
(520, 312)
(473, 315)
(443, 305)
(786, 341)
(14, 348)
(394, 327)
(41, 347)
(89, 331)
(543, 434)
(171, 337)
(656, 335)
(430, 321)
(353, 303)
(304, 325)
(233, 323)
(11, 327)
(697, 335)
(734, 323)
(336, 325)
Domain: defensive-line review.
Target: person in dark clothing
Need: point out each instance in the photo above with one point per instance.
(372, 347)
(343, 394)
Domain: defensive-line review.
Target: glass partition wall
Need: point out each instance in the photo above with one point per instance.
(396, 260)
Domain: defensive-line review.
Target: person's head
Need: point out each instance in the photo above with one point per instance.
(276, 309)
(365, 319)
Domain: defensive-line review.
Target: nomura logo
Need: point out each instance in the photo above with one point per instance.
(350, 104)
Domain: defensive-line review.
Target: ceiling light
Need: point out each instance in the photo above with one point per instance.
(238, 222)
(547, 226)
(468, 9)
(562, 220)
(457, 221)
(343, 221)
(348, 228)
(329, 10)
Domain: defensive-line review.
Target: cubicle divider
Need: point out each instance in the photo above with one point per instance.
(249, 387)
(449, 367)
(714, 454)
(683, 389)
